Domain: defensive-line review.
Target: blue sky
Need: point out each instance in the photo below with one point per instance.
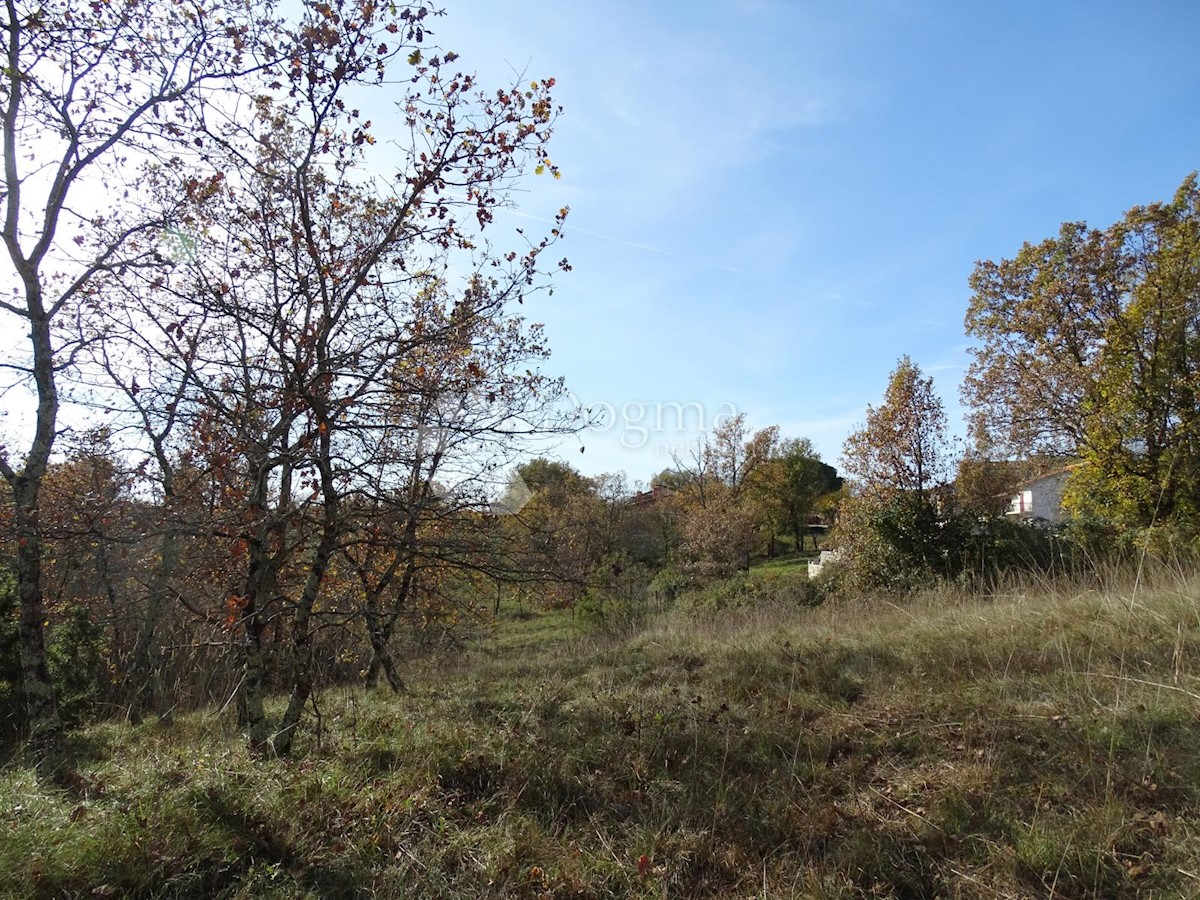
(773, 201)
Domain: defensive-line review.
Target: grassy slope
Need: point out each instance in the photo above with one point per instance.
(1019, 746)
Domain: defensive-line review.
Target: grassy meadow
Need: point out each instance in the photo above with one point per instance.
(1041, 742)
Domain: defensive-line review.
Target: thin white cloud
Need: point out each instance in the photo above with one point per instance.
(657, 118)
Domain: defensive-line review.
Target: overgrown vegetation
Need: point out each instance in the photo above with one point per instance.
(1040, 741)
(291, 342)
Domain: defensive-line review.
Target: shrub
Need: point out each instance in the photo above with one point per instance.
(75, 656)
(742, 591)
(904, 544)
(720, 593)
(998, 546)
(667, 585)
(11, 700)
(792, 588)
(616, 594)
(894, 544)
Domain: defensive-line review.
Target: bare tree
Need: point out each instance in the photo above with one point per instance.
(308, 326)
(88, 94)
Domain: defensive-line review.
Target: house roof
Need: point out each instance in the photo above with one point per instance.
(1045, 476)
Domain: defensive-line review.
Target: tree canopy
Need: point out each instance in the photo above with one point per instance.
(898, 526)
(903, 444)
(1089, 347)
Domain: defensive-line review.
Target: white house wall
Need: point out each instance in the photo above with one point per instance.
(1041, 499)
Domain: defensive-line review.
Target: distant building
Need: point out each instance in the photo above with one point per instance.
(657, 492)
(827, 556)
(1041, 497)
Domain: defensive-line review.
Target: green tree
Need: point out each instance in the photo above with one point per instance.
(672, 478)
(1089, 346)
(554, 477)
(784, 490)
(806, 480)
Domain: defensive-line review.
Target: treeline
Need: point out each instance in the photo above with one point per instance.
(1086, 360)
(738, 494)
(153, 604)
(271, 536)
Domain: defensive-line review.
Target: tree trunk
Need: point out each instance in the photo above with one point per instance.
(381, 661)
(302, 680)
(380, 627)
(254, 680)
(44, 723)
(302, 676)
(379, 632)
(260, 589)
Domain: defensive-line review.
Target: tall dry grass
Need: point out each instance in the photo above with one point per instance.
(1037, 740)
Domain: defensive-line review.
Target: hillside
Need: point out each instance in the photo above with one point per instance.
(1032, 744)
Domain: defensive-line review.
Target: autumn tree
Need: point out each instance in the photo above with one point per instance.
(1089, 346)
(721, 511)
(903, 446)
(985, 486)
(790, 485)
(897, 525)
(288, 311)
(88, 95)
(766, 492)
(335, 346)
(86, 531)
(426, 519)
(651, 531)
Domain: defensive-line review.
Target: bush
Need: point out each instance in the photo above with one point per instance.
(999, 546)
(906, 543)
(742, 591)
(12, 702)
(1169, 542)
(793, 588)
(75, 656)
(667, 585)
(734, 591)
(616, 594)
(895, 545)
